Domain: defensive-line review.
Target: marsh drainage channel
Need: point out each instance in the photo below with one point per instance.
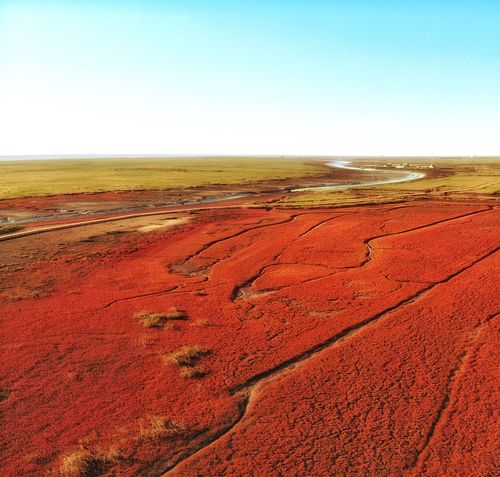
(249, 389)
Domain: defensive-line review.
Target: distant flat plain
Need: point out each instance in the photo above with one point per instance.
(21, 178)
(479, 176)
(452, 178)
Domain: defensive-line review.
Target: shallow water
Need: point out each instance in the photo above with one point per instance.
(401, 176)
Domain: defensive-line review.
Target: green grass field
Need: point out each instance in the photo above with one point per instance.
(48, 177)
(461, 180)
(480, 179)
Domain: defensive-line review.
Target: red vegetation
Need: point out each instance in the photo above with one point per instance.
(355, 341)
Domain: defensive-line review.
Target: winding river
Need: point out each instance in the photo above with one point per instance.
(390, 176)
(395, 177)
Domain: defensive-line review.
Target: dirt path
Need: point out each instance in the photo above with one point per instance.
(82, 223)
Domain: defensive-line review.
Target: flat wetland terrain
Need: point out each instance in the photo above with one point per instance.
(70, 176)
(345, 332)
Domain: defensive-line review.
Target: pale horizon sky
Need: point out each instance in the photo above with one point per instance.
(358, 77)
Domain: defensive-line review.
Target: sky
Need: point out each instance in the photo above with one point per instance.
(318, 77)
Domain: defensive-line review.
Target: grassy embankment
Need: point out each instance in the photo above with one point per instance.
(452, 179)
(49, 177)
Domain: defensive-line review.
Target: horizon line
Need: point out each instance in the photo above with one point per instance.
(240, 155)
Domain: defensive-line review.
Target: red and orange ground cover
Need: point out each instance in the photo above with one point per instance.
(349, 341)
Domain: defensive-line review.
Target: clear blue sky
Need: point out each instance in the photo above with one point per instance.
(256, 76)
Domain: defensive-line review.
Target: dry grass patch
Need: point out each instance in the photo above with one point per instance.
(187, 358)
(174, 313)
(191, 372)
(158, 319)
(159, 427)
(110, 455)
(83, 463)
(80, 463)
(151, 320)
(8, 229)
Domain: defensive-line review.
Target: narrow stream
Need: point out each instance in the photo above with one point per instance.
(396, 176)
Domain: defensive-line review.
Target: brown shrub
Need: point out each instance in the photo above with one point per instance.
(8, 229)
(158, 320)
(174, 313)
(80, 463)
(191, 372)
(185, 356)
(159, 427)
(83, 463)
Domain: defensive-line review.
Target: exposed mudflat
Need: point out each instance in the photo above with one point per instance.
(347, 341)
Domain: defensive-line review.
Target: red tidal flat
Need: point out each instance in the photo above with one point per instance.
(350, 341)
